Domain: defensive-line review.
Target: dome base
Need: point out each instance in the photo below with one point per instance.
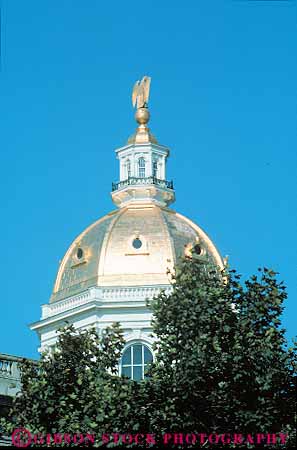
(144, 194)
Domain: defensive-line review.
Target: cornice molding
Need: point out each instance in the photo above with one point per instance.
(107, 296)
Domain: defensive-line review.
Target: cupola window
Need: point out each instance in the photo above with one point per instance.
(155, 169)
(141, 168)
(128, 168)
(135, 361)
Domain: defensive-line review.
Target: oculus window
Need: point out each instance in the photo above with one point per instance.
(137, 243)
(135, 361)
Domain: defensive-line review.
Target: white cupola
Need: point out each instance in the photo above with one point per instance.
(142, 168)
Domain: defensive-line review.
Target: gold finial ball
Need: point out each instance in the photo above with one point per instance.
(142, 116)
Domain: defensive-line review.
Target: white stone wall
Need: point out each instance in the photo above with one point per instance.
(98, 308)
(9, 375)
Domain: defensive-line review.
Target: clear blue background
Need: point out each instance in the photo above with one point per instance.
(223, 98)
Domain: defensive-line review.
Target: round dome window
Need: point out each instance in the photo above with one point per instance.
(79, 253)
(197, 249)
(137, 243)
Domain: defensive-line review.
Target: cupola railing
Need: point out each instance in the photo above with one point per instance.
(140, 181)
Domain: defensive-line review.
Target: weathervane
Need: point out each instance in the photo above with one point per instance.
(140, 96)
(141, 92)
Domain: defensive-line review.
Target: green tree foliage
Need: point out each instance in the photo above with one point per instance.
(73, 389)
(221, 363)
(221, 366)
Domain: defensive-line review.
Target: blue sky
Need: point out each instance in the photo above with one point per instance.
(223, 98)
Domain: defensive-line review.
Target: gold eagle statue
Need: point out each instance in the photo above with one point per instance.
(141, 92)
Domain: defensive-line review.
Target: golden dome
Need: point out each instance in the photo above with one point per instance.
(132, 246)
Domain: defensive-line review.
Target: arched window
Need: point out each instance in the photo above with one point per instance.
(155, 169)
(141, 168)
(128, 166)
(135, 361)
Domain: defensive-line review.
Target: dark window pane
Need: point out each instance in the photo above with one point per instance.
(126, 372)
(137, 354)
(127, 356)
(137, 373)
(148, 357)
